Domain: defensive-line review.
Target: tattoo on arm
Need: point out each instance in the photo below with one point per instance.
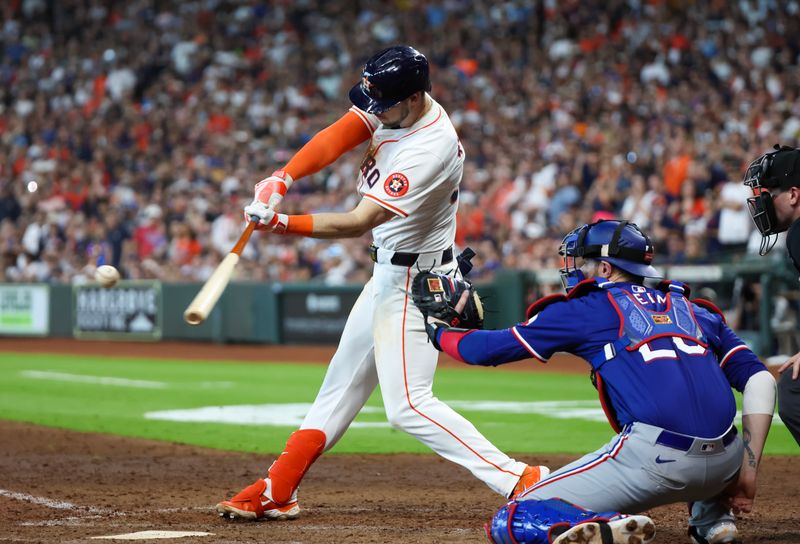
(751, 457)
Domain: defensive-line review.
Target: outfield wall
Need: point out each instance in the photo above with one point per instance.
(315, 314)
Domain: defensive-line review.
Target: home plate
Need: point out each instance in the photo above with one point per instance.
(145, 535)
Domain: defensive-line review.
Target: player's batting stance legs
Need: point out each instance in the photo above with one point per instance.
(367, 355)
(395, 352)
(406, 363)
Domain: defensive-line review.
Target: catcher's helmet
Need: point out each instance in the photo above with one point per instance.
(619, 243)
(392, 75)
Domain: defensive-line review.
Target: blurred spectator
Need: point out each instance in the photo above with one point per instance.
(150, 235)
(734, 227)
(9, 206)
(146, 125)
(184, 247)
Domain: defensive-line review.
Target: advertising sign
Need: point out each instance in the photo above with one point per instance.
(315, 316)
(24, 309)
(130, 310)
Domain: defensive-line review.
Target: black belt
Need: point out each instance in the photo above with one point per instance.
(684, 443)
(409, 259)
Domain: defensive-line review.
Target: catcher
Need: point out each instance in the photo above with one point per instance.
(663, 366)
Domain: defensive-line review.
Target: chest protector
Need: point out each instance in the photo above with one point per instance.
(638, 327)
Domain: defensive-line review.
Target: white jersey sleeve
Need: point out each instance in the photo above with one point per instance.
(411, 179)
(370, 120)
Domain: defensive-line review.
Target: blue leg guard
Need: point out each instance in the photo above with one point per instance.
(538, 522)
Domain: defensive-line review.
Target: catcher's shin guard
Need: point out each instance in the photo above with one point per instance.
(302, 449)
(538, 522)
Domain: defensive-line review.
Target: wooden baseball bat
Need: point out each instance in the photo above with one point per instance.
(209, 294)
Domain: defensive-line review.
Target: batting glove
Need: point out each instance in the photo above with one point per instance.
(271, 190)
(267, 218)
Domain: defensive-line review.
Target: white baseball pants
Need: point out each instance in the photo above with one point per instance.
(384, 342)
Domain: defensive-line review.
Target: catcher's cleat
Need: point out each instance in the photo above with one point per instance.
(724, 532)
(254, 502)
(625, 530)
(531, 476)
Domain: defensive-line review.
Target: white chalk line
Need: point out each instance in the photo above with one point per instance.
(91, 512)
(149, 535)
(61, 522)
(117, 382)
(97, 380)
(52, 503)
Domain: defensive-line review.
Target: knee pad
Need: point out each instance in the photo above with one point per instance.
(538, 522)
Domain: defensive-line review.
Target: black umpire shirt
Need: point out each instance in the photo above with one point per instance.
(793, 243)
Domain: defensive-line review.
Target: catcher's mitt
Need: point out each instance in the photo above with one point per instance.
(436, 295)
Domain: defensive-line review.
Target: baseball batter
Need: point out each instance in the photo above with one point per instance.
(409, 182)
(664, 367)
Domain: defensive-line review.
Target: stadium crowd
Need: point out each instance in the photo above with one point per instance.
(145, 125)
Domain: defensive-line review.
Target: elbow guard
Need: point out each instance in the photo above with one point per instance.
(759, 394)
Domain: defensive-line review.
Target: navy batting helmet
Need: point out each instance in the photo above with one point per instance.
(619, 243)
(392, 75)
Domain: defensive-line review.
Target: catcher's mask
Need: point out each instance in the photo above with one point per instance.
(767, 176)
(619, 243)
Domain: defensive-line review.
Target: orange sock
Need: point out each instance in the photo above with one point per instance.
(302, 449)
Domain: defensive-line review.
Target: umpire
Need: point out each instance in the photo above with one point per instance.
(775, 206)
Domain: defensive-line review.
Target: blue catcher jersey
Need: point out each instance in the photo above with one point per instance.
(657, 357)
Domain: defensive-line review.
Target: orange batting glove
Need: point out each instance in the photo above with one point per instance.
(271, 190)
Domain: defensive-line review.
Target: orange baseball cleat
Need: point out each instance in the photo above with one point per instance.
(255, 502)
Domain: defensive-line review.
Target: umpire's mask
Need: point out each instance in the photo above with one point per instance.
(767, 176)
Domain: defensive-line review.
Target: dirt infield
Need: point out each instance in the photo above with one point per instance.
(64, 486)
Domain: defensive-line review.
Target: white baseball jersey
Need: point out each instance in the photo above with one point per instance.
(414, 172)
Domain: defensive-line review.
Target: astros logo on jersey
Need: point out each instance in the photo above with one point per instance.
(396, 184)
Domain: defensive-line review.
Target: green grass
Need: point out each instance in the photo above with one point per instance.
(48, 399)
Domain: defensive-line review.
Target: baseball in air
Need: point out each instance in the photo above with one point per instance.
(106, 275)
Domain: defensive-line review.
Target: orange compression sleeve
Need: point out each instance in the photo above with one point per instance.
(328, 145)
